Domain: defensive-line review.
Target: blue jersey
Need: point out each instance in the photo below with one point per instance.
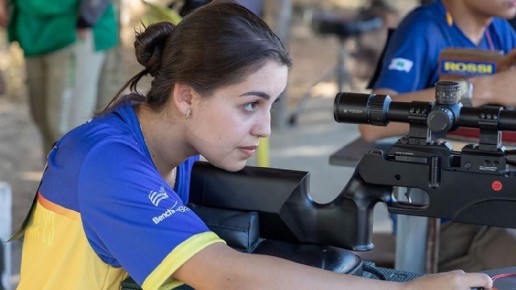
(104, 212)
(411, 58)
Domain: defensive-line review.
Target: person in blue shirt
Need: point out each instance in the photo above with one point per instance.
(409, 68)
(408, 72)
(112, 200)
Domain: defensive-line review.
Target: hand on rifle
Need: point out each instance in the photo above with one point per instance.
(507, 62)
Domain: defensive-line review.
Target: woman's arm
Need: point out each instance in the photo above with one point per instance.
(220, 267)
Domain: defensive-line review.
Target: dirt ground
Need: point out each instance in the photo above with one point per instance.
(21, 159)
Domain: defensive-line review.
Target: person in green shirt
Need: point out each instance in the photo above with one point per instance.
(63, 42)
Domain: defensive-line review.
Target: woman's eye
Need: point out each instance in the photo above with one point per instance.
(250, 107)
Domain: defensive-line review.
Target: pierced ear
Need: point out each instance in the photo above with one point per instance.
(182, 96)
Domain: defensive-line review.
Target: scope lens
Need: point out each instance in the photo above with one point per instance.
(361, 108)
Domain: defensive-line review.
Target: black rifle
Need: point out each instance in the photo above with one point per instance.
(475, 185)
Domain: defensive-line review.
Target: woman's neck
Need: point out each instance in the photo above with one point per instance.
(470, 21)
(160, 136)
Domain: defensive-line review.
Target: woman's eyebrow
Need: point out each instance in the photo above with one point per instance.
(255, 93)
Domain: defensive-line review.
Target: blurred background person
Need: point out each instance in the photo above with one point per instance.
(63, 43)
(408, 72)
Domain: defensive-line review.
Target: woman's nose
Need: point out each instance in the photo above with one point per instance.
(262, 128)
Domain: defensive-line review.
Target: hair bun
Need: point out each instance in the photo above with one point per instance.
(149, 45)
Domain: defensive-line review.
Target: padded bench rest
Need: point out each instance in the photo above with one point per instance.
(240, 230)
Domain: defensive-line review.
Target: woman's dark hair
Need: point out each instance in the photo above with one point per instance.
(215, 45)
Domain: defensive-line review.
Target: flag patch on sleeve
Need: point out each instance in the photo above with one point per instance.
(401, 64)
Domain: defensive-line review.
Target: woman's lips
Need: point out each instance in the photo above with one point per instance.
(248, 151)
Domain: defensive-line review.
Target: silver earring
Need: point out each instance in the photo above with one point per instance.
(188, 113)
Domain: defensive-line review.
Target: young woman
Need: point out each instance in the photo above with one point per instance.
(112, 199)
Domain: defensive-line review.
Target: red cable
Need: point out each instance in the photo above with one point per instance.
(500, 276)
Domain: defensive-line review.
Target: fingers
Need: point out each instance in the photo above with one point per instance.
(471, 280)
(479, 280)
(454, 280)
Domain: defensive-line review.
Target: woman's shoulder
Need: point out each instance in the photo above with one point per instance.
(100, 140)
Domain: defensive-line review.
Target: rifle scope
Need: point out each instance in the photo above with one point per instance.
(445, 114)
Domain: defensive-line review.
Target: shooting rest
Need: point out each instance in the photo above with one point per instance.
(260, 210)
(252, 211)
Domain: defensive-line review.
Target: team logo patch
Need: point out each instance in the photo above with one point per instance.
(157, 196)
(401, 64)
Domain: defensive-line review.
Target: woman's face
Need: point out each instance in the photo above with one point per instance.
(226, 127)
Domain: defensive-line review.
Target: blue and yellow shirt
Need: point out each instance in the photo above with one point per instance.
(103, 212)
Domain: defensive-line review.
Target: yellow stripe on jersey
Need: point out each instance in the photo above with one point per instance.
(57, 255)
(161, 278)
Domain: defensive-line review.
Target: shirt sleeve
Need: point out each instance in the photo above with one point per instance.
(133, 219)
(408, 63)
(504, 33)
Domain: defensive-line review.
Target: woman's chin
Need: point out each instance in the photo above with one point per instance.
(233, 167)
